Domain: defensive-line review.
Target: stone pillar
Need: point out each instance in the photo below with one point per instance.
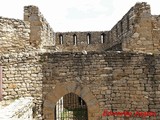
(32, 14)
(140, 39)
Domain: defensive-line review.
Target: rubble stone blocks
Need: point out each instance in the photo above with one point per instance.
(20, 109)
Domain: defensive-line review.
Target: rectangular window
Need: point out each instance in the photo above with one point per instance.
(88, 38)
(60, 39)
(74, 39)
(121, 25)
(102, 38)
(0, 83)
(128, 24)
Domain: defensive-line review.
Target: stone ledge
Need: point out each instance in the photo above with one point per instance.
(20, 109)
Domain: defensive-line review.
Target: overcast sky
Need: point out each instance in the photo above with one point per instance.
(76, 15)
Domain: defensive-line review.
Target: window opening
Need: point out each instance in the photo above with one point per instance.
(74, 39)
(60, 39)
(102, 38)
(88, 38)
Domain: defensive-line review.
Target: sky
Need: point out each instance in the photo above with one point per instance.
(76, 15)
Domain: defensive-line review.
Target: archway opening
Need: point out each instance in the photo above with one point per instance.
(71, 107)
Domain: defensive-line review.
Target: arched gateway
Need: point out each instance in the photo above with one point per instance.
(57, 102)
(71, 107)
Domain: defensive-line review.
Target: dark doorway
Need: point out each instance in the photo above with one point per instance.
(71, 107)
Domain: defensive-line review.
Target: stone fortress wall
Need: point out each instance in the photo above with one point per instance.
(14, 35)
(111, 74)
(116, 82)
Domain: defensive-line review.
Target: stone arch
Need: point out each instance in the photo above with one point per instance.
(62, 89)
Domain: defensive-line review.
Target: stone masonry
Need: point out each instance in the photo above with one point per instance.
(116, 70)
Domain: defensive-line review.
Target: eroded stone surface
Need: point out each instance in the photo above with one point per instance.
(20, 109)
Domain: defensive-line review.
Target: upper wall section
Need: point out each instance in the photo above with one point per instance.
(100, 40)
(141, 39)
(42, 35)
(120, 31)
(78, 41)
(137, 31)
(14, 35)
(26, 35)
(156, 32)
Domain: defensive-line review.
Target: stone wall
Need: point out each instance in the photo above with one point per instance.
(141, 39)
(20, 109)
(22, 77)
(116, 81)
(14, 35)
(156, 32)
(42, 35)
(125, 34)
(96, 42)
(137, 31)
(121, 31)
